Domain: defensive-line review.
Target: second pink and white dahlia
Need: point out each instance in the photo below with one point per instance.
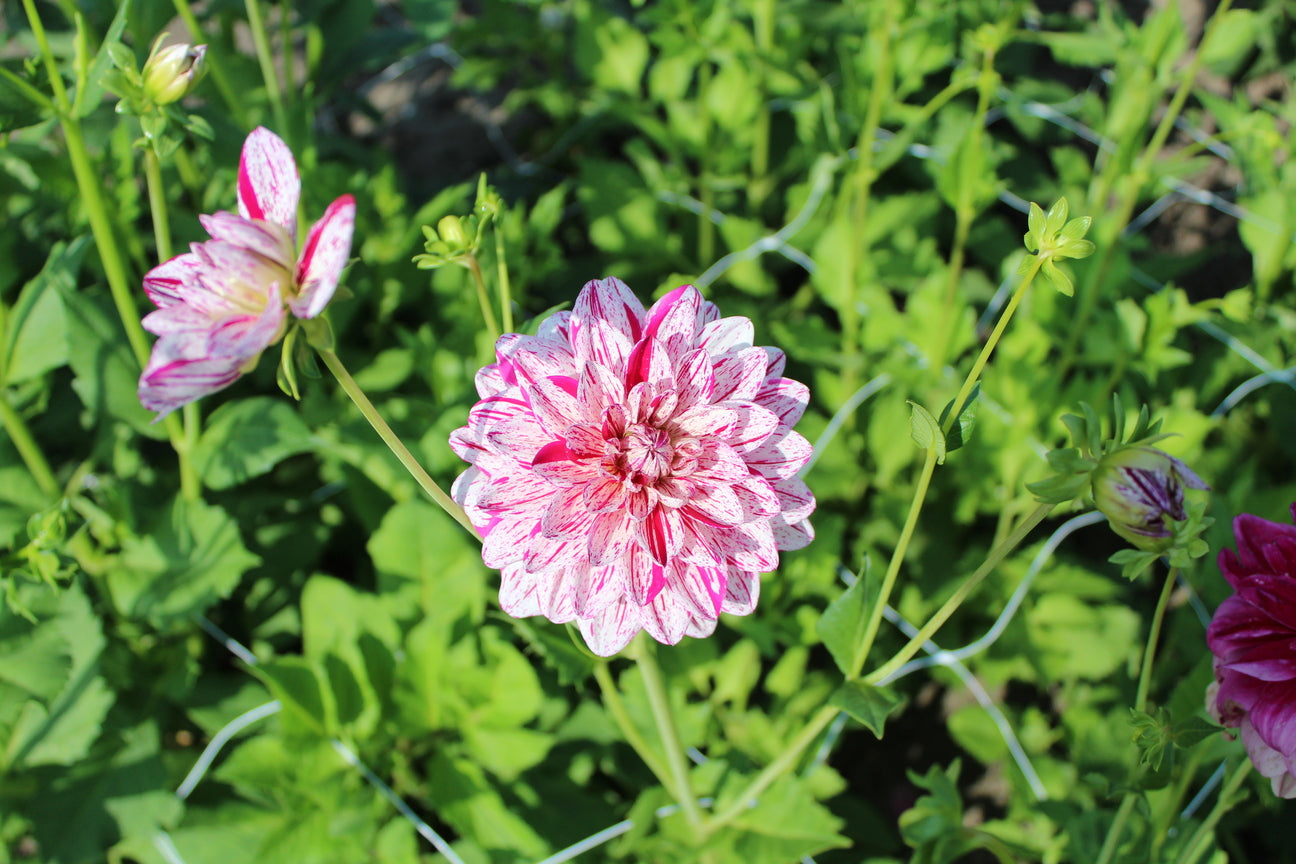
(635, 470)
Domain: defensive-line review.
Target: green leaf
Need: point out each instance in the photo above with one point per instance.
(556, 644)
(961, 432)
(190, 556)
(22, 102)
(786, 824)
(842, 625)
(926, 432)
(866, 703)
(35, 338)
(247, 438)
(107, 376)
(88, 98)
(303, 689)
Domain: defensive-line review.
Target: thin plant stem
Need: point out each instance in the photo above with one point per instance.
(1139, 174)
(965, 209)
(656, 687)
(997, 554)
(483, 298)
(105, 241)
(190, 482)
(27, 448)
(157, 203)
(974, 375)
(352, 389)
(616, 707)
(858, 198)
(825, 715)
(213, 62)
(706, 190)
(893, 568)
(261, 40)
(1140, 705)
(501, 274)
(774, 770)
(1196, 846)
(763, 34)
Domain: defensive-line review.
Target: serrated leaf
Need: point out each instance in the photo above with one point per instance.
(189, 557)
(868, 704)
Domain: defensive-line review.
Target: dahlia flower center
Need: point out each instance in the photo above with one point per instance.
(645, 454)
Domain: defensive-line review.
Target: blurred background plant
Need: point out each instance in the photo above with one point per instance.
(855, 177)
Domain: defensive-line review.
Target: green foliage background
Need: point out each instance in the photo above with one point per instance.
(852, 176)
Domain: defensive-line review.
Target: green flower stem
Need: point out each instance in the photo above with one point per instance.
(656, 687)
(501, 274)
(763, 34)
(261, 40)
(858, 199)
(893, 568)
(986, 350)
(389, 438)
(825, 715)
(482, 298)
(213, 62)
(706, 190)
(773, 771)
(157, 203)
(1140, 704)
(100, 226)
(1138, 177)
(27, 448)
(190, 482)
(1198, 845)
(965, 209)
(997, 554)
(616, 707)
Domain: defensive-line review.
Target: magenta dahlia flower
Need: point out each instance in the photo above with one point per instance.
(223, 303)
(1253, 638)
(635, 470)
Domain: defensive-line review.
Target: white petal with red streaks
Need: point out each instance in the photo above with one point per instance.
(785, 397)
(612, 301)
(650, 364)
(603, 343)
(323, 258)
(268, 184)
(758, 497)
(796, 501)
(611, 629)
(790, 537)
(739, 375)
(751, 547)
(664, 533)
(508, 540)
(726, 335)
(609, 536)
(666, 618)
(695, 380)
(779, 457)
(707, 421)
(703, 588)
(717, 505)
(519, 594)
(644, 578)
(255, 235)
(555, 408)
(565, 518)
(169, 282)
(754, 425)
(534, 359)
(672, 321)
(741, 592)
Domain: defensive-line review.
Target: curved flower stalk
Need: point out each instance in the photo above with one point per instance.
(227, 300)
(1253, 638)
(635, 470)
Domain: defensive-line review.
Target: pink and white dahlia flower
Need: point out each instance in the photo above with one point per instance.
(1253, 638)
(635, 470)
(223, 303)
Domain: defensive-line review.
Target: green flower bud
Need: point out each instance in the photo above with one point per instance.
(452, 232)
(1139, 489)
(172, 72)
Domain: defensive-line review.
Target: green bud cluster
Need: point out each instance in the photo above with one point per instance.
(457, 239)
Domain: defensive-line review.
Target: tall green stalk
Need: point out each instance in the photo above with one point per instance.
(680, 788)
(101, 227)
(398, 448)
(261, 40)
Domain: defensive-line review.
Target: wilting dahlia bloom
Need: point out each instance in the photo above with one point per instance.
(635, 470)
(221, 304)
(1253, 638)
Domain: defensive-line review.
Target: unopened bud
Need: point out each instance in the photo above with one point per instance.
(1138, 489)
(172, 72)
(452, 233)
